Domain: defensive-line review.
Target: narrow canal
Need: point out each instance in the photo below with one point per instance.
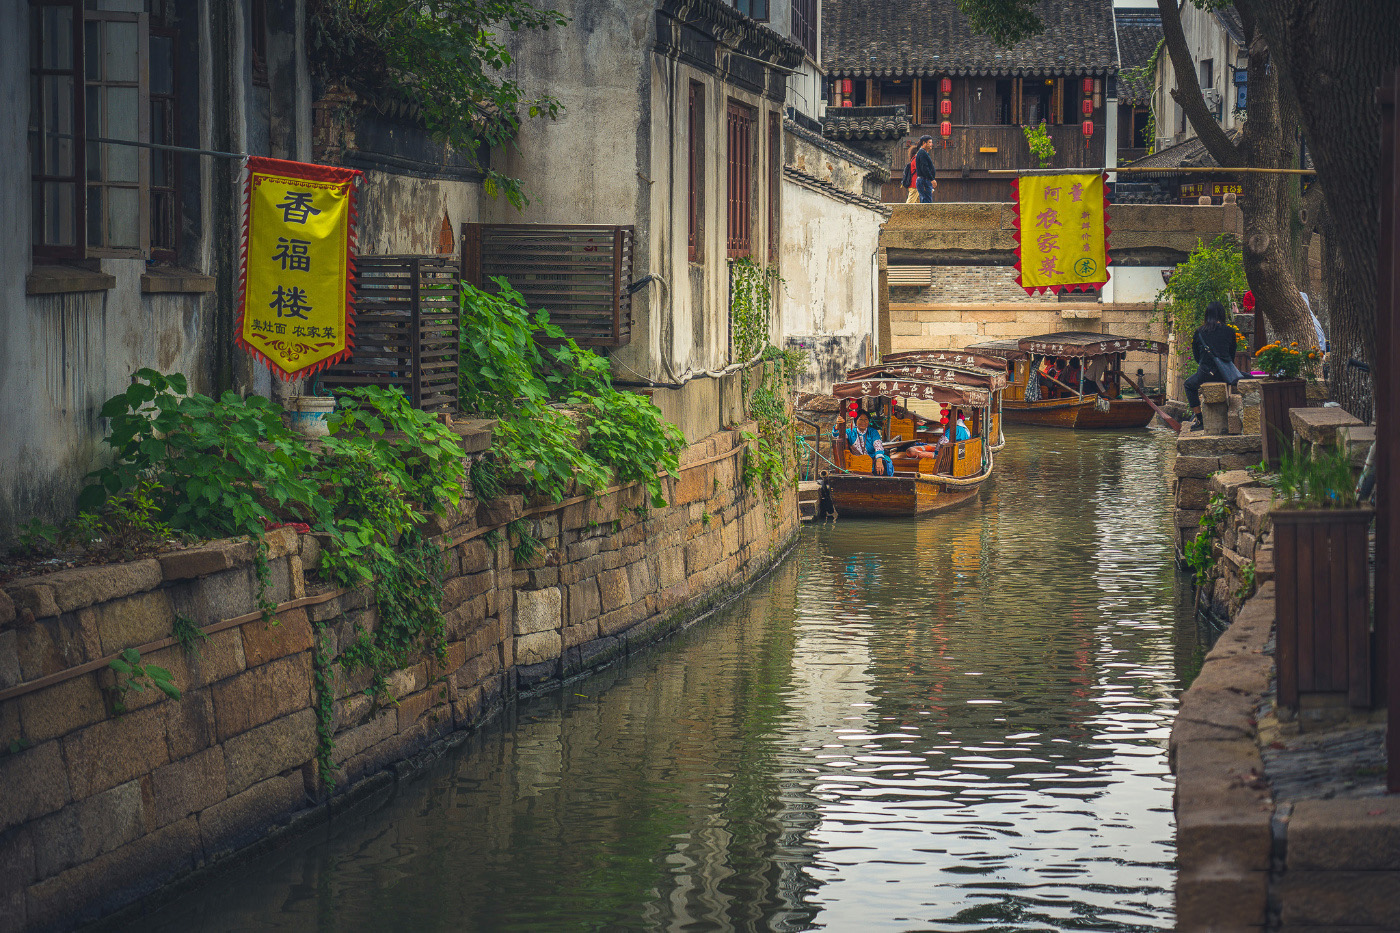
(953, 723)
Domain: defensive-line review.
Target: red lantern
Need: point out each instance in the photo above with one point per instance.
(851, 408)
(945, 107)
(945, 129)
(946, 86)
(846, 86)
(1088, 86)
(848, 103)
(1088, 128)
(1088, 107)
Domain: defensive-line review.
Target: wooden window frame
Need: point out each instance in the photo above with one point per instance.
(695, 173)
(37, 151)
(739, 156)
(166, 251)
(83, 149)
(805, 15)
(142, 185)
(752, 5)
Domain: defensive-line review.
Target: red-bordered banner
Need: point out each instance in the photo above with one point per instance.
(296, 268)
(1061, 231)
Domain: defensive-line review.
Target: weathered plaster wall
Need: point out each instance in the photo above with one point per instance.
(99, 810)
(619, 155)
(403, 213)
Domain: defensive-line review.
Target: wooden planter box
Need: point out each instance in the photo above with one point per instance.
(1277, 396)
(1323, 615)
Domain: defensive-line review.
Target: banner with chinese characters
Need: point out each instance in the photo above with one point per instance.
(296, 271)
(1061, 231)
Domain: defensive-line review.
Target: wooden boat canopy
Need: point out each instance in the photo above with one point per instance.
(963, 358)
(936, 372)
(1080, 344)
(894, 385)
(1008, 348)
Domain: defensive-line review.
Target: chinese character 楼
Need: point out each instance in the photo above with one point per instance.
(289, 302)
(293, 254)
(297, 207)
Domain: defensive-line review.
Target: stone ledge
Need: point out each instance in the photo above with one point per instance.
(1319, 425)
(177, 282)
(1344, 835)
(63, 279)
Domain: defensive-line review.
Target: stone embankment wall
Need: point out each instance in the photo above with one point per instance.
(1263, 843)
(98, 809)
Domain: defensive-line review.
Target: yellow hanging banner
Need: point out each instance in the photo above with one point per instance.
(296, 307)
(1062, 231)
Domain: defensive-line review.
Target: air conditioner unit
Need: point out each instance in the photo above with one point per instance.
(1212, 97)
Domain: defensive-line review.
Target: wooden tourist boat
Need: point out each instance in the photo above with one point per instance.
(918, 484)
(1034, 399)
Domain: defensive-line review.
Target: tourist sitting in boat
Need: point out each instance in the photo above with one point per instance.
(959, 432)
(865, 440)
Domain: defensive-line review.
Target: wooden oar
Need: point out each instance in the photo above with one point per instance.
(1167, 419)
(1059, 383)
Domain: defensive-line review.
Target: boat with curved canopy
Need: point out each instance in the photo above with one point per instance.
(918, 484)
(1093, 397)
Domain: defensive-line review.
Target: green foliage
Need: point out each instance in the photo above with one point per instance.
(507, 374)
(1038, 138)
(1007, 22)
(36, 538)
(485, 478)
(131, 674)
(448, 57)
(408, 590)
(1213, 272)
(323, 684)
(1246, 589)
(527, 546)
(383, 464)
(1200, 550)
(1316, 478)
(210, 468)
(750, 306)
(187, 634)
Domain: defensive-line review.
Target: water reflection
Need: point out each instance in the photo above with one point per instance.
(952, 723)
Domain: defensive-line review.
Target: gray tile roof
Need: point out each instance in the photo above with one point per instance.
(1139, 33)
(933, 37)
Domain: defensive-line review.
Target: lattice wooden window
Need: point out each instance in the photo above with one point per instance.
(739, 238)
(804, 24)
(695, 210)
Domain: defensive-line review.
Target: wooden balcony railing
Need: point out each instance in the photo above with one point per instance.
(579, 273)
(407, 323)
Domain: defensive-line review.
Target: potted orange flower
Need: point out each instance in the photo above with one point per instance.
(1285, 388)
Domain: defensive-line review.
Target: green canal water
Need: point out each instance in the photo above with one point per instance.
(951, 723)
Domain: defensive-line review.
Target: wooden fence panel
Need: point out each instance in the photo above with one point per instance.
(407, 324)
(579, 273)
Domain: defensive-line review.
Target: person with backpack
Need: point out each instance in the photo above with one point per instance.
(909, 175)
(926, 175)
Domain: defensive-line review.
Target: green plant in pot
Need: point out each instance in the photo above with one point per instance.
(1324, 642)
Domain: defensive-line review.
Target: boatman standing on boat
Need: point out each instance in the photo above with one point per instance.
(865, 440)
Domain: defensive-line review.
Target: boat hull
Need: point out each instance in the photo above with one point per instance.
(888, 497)
(1076, 413)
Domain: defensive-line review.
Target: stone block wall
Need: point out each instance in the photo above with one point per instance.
(98, 809)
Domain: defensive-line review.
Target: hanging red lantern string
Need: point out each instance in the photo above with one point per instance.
(1088, 107)
(946, 86)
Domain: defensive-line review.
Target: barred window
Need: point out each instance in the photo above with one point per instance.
(739, 240)
(805, 24)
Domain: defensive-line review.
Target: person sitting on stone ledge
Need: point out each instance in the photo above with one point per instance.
(1213, 346)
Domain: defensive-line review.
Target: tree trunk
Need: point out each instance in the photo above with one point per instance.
(1348, 386)
(1265, 202)
(1335, 54)
(1268, 202)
